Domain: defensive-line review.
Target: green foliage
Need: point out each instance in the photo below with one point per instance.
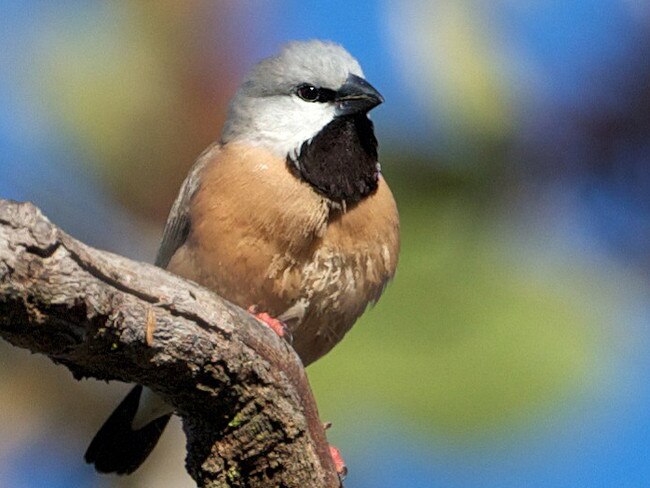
(470, 336)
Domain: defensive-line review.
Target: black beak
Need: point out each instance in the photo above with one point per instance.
(356, 96)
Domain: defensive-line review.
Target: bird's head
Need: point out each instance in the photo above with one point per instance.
(287, 99)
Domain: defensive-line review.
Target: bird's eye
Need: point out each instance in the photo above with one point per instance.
(308, 93)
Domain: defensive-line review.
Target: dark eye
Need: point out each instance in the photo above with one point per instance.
(308, 93)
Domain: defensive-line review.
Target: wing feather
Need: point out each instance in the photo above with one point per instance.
(179, 223)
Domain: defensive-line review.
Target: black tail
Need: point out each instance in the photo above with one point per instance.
(117, 448)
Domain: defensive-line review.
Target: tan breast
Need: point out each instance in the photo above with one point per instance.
(260, 236)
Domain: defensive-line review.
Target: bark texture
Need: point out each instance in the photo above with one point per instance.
(247, 409)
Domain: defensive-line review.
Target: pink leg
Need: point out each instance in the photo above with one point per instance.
(339, 464)
(277, 325)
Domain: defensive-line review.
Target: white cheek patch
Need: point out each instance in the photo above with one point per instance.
(283, 124)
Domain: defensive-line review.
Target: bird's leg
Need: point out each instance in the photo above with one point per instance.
(339, 463)
(279, 327)
(282, 330)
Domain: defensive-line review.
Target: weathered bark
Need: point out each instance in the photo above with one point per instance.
(247, 409)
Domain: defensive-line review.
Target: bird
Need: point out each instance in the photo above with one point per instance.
(287, 215)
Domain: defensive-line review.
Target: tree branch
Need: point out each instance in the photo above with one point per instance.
(247, 409)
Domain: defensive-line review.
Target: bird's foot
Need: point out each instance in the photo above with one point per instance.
(276, 325)
(339, 464)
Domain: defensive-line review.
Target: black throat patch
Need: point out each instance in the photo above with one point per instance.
(340, 162)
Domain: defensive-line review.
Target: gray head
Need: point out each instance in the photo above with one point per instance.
(287, 99)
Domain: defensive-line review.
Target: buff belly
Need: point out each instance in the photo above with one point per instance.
(290, 254)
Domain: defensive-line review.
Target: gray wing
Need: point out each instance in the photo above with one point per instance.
(178, 223)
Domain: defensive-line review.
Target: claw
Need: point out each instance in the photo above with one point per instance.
(278, 326)
(339, 464)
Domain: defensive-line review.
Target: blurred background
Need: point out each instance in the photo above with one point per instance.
(511, 348)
